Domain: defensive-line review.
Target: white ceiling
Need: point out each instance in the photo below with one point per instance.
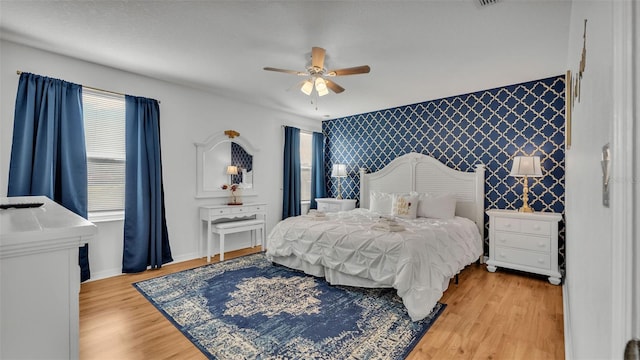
(417, 50)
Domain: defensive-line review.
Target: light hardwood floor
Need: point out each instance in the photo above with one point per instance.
(502, 315)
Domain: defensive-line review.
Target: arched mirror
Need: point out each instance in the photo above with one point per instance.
(224, 159)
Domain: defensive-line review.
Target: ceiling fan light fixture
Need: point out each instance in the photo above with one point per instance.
(307, 87)
(315, 73)
(321, 87)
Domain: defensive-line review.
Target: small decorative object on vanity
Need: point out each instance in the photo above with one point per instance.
(524, 241)
(335, 205)
(235, 197)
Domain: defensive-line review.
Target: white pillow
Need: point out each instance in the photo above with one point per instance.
(405, 206)
(380, 202)
(441, 206)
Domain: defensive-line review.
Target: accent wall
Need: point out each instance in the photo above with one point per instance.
(488, 127)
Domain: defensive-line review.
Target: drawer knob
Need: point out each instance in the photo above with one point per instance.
(221, 211)
(507, 225)
(536, 227)
(540, 261)
(502, 255)
(540, 244)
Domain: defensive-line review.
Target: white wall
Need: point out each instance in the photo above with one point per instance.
(587, 288)
(186, 116)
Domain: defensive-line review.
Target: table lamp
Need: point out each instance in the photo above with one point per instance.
(231, 170)
(339, 171)
(526, 166)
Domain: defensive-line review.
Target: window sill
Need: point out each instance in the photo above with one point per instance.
(106, 216)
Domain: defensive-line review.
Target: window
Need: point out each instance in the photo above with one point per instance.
(305, 165)
(104, 126)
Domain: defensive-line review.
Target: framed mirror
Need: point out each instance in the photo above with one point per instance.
(224, 159)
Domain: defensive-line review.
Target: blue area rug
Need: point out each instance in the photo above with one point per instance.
(247, 308)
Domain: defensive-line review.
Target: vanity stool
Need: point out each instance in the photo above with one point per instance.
(231, 227)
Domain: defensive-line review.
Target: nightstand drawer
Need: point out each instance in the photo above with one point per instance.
(538, 260)
(521, 241)
(533, 227)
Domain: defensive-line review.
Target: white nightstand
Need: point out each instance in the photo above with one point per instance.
(524, 241)
(335, 205)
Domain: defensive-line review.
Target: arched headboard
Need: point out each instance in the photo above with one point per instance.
(424, 174)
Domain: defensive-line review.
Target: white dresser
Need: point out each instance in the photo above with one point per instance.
(524, 241)
(335, 205)
(212, 214)
(40, 279)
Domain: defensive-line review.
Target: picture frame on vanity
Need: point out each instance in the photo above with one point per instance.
(568, 105)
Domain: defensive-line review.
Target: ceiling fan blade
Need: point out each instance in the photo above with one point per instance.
(299, 73)
(364, 69)
(333, 86)
(317, 57)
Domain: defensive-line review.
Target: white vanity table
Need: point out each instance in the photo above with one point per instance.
(40, 279)
(213, 156)
(213, 214)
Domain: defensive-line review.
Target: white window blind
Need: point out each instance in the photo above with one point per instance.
(305, 165)
(104, 124)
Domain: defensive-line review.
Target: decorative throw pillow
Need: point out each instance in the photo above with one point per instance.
(441, 206)
(405, 205)
(380, 202)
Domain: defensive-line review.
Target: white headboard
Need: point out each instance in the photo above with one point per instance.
(424, 174)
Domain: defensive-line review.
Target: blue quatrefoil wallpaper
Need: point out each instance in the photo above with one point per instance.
(488, 127)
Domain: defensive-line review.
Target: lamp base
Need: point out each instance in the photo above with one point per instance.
(525, 198)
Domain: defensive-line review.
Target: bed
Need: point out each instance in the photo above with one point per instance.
(367, 247)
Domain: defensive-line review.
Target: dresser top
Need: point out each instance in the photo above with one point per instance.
(48, 225)
(539, 215)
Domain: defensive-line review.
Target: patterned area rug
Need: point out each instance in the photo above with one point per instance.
(247, 308)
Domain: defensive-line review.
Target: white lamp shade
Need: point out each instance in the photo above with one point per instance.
(339, 170)
(232, 170)
(321, 87)
(526, 166)
(307, 87)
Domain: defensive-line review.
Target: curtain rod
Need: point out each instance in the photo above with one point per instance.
(93, 88)
(303, 130)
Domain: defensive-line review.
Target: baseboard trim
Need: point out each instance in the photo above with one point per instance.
(107, 273)
(104, 274)
(568, 339)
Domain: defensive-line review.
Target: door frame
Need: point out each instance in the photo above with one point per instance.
(624, 283)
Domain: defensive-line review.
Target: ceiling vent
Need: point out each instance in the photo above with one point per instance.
(487, 2)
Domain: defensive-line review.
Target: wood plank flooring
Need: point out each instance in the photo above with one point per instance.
(502, 315)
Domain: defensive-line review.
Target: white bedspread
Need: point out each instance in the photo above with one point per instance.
(418, 262)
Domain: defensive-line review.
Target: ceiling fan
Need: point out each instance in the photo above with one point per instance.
(316, 74)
